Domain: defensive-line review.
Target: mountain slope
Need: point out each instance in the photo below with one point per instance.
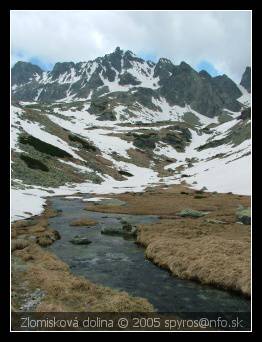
(119, 123)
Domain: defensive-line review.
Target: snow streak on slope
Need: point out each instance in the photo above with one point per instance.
(15, 128)
(34, 129)
(245, 99)
(231, 173)
(22, 206)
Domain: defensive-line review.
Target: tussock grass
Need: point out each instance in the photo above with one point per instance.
(170, 201)
(211, 253)
(67, 292)
(83, 222)
(64, 292)
(215, 252)
(44, 241)
(19, 244)
(13, 233)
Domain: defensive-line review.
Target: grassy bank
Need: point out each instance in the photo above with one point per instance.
(41, 282)
(213, 249)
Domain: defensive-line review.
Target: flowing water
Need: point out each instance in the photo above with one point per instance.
(120, 264)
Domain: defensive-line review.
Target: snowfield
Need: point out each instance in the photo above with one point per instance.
(232, 173)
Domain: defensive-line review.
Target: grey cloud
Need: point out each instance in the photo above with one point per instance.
(221, 37)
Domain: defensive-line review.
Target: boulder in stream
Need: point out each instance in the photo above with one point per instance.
(127, 230)
(80, 240)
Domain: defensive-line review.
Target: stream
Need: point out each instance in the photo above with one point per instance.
(120, 264)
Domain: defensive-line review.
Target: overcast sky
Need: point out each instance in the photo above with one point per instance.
(219, 41)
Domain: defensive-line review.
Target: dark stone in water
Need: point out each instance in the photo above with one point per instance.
(126, 230)
(126, 226)
(80, 240)
(112, 231)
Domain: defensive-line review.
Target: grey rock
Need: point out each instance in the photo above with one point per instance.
(244, 215)
(80, 240)
(191, 213)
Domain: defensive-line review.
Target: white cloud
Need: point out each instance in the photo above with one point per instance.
(221, 37)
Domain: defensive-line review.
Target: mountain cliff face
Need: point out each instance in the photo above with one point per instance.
(246, 79)
(120, 123)
(121, 71)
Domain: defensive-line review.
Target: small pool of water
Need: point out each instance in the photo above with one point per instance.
(120, 264)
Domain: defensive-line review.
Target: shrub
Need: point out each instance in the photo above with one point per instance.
(86, 145)
(34, 163)
(44, 147)
(125, 173)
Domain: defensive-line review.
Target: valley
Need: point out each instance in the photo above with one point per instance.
(131, 187)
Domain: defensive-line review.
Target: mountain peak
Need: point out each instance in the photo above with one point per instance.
(205, 74)
(22, 72)
(164, 60)
(118, 50)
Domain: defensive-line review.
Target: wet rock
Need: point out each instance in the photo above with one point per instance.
(112, 231)
(80, 240)
(126, 226)
(127, 230)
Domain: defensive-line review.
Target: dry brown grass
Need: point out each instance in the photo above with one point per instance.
(44, 241)
(36, 228)
(13, 233)
(169, 202)
(63, 291)
(214, 254)
(68, 293)
(19, 244)
(83, 222)
(139, 158)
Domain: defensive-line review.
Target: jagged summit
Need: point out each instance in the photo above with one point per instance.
(120, 72)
